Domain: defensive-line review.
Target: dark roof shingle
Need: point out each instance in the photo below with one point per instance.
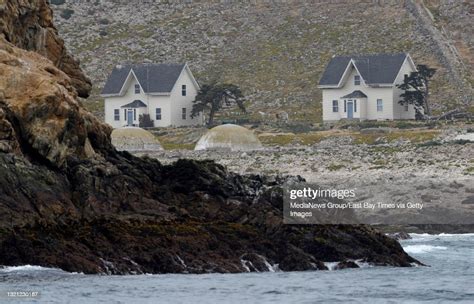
(135, 104)
(355, 94)
(374, 69)
(154, 78)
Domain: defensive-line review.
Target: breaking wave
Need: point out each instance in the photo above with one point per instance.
(422, 248)
(24, 268)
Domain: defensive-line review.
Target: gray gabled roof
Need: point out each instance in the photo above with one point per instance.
(153, 78)
(355, 94)
(135, 104)
(374, 69)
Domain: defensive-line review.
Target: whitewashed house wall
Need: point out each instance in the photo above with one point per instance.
(367, 107)
(171, 103)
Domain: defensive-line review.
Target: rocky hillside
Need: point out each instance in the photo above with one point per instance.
(276, 51)
(68, 199)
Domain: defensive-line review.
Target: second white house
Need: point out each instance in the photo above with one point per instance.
(365, 87)
(164, 91)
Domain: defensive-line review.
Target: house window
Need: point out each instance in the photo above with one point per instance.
(345, 106)
(405, 77)
(125, 114)
(379, 105)
(355, 105)
(158, 114)
(134, 114)
(406, 108)
(183, 90)
(356, 80)
(116, 114)
(335, 106)
(137, 89)
(183, 113)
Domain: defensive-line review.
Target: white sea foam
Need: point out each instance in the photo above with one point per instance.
(446, 235)
(24, 268)
(244, 264)
(181, 261)
(422, 248)
(331, 265)
(363, 264)
(360, 263)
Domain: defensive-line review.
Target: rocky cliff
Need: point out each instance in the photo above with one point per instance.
(69, 200)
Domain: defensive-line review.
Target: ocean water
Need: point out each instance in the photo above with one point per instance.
(450, 278)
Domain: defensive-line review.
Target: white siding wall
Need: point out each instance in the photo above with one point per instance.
(164, 103)
(365, 109)
(399, 110)
(171, 105)
(178, 102)
(112, 103)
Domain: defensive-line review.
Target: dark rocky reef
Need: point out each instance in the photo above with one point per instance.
(68, 199)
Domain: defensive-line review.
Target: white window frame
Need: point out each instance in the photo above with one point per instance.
(158, 114)
(183, 90)
(183, 113)
(357, 80)
(335, 106)
(116, 114)
(138, 90)
(406, 108)
(379, 105)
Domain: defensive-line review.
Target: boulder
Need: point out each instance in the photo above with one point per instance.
(229, 137)
(134, 139)
(346, 265)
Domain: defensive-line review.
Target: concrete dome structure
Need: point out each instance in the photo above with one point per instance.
(134, 139)
(229, 137)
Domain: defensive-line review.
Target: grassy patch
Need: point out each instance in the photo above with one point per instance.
(277, 139)
(469, 171)
(430, 143)
(175, 146)
(289, 138)
(335, 167)
(415, 136)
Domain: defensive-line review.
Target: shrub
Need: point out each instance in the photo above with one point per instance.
(430, 143)
(57, 2)
(461, 141)
(104, 21)
(67, 13)
(145, 121)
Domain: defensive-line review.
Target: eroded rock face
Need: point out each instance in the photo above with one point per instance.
(40, 103)
(29, 25)
(68, 199)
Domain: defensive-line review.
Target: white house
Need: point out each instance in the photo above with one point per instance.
(164, 91)
(364, 87)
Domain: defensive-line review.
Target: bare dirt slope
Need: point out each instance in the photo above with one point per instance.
(276, 51)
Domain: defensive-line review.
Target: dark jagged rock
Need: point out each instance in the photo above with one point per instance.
(399, 236)
(346, 265)
(68, 199)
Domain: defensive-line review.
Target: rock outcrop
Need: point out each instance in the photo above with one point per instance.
(68, 199)
(29, 25)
